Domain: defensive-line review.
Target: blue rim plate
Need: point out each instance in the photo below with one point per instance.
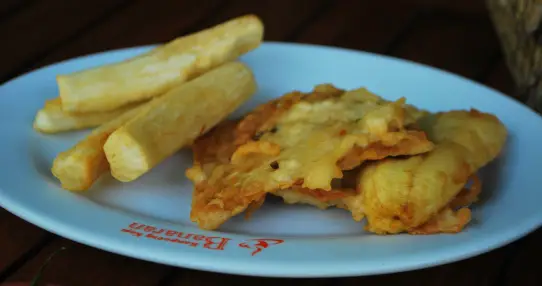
(148, 218)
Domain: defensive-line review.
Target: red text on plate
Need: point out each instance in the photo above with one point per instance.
(140, 230)
(178, 237)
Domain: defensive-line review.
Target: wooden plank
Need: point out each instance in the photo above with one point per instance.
(81, 265)
(281, 17)
(524, 267)
(202, 278)
(501, 79)
(466, 45)
(456, 6)
(143, 24)
(10, 7)
(16, 238)
(7, 5)
(331, 24)
(42, 26)
(139, 24)
(351, 24)
(478, 271)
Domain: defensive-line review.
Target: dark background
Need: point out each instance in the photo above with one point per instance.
(456, 36)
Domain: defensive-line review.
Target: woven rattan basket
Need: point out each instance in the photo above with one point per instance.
(519, 26)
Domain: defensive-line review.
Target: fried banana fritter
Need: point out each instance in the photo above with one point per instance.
(404, 194)
(300, 140)
(425, 193)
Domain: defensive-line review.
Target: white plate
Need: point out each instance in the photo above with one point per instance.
(148, 219)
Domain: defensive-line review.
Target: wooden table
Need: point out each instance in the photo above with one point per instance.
(454, 35)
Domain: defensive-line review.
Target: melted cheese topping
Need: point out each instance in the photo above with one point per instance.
(313, 136)
(301, 141)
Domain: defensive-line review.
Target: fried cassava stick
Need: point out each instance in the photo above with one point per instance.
(111, 86)
(176, 118)
(78, 167)
(52, 119)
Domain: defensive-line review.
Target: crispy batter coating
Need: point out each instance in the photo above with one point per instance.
(404, 194)
(304, 140)
(216, 196)
(425, 193)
